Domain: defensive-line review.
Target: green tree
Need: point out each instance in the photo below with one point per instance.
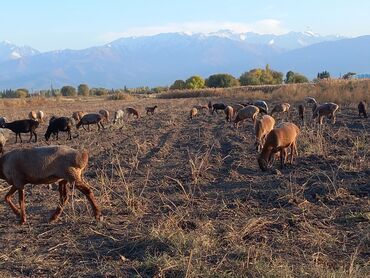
(21, 93)
(178, 85)
(83, 90)
(323, 75)
(294, 77)
(195, 82)
(99, 91)
(348, 75)
(68, 91)
(261, 77)
(221, 80)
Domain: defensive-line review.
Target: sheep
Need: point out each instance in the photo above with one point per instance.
(46, 165)
(237, 107)
(105, 115)
(118, 116)
(249, 111)
(37, 116)
(90, 118)
(311, 100)
(262, 128)
(279, 139)
(301, 110)
(3, 120)
(132, 111)
(281, 108)
(193, 113)
(77, 115)
(201, 107)
(2, 142)
(261, 104)
(229, 111)
(22, 126)
(150, 109)
(218, 106)
(362, 109)
(327, 109)
(59, 124)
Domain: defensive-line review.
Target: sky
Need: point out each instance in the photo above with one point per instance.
(76, 24)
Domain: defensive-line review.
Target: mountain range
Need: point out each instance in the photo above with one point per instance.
(160, 59)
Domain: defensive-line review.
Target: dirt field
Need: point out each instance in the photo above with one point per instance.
(185, 198)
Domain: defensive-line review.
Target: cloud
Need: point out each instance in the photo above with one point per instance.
(265, 26)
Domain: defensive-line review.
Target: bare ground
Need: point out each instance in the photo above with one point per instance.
(186, 198)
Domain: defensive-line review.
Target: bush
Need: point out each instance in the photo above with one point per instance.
(178, 85)
(221, 80)
(21, 93)
(261, 77)
(83, 90)
(195, 82)
(68, 91)
(99, 91)
(294, 77)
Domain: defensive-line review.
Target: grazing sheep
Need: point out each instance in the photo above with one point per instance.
(132, 111)
(118, 116)
(301, 110)
(218, 106)
(262, 105)
(262, 128)
(37, 116)
(59, 124)
(193, 113)
(77, 115)
(22, 126)
(229, 111)
(327, 109)
(45, 165)
(201, 107)
(88, 119)
(105, 115)
(237, 107)
(248, 112)
(311, 100)
(150, 109)
(279, 139)
(362, 109)
(281, 108)
(2, 142)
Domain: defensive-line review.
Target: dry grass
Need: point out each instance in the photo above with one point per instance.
(185, 198)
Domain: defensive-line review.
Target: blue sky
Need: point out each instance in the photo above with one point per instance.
(52, 24)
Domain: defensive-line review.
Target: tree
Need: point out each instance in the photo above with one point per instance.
(68, 91)
(21, 93)
(195, 82)
(348, 75)
(323, 75)
(178, 85)
(294, 77)
(99, 91)
(221, 80)
(260, 76)
(83, 90)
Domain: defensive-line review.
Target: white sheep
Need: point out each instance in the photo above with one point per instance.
(118, 116)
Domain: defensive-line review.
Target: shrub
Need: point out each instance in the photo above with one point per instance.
(221, 80)
(68, 91)
(195, 82)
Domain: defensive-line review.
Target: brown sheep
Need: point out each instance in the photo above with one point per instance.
(237, 107)
(229, 111)
(132, 111)
(362, 109)
(281, 108)
(327, 109)
(77, 115)
(150, 109)
(105, 115)
(45, 165)
(279, 139)
(248, 112)
(193, 113)
(262, 128)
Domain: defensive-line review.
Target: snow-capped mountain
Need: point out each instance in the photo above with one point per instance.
(161, 59)
(9, 51)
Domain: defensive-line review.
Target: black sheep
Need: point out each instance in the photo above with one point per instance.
(59, 124)
(218, 106)
(22, 126)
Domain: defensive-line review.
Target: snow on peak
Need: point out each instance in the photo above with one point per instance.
(15, 55)
(271, 42)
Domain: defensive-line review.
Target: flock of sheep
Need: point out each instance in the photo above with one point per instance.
(271, 139)
(64, 165)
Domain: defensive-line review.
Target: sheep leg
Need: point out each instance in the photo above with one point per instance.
(20, 138)
(85, 189)
(31, 134)
(34, 133)
(83, 126)
(64, 195)
(22, 205)
(69, 135)
(8, 199)
(16, 137)
(102, 125)
(282, 158)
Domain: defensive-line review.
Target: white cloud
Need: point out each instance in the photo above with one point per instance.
(265, 26)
